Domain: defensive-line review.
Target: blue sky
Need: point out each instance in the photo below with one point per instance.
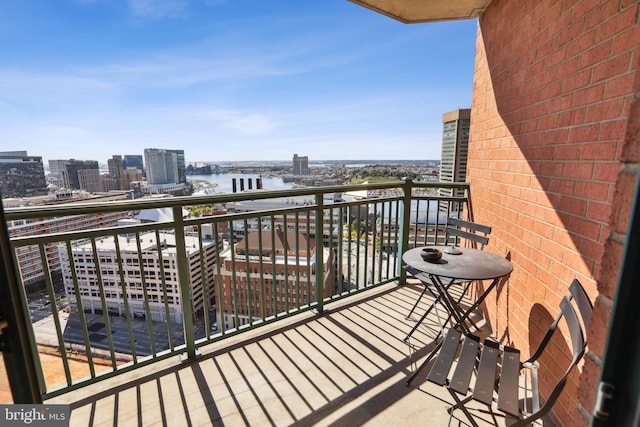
(227, 79)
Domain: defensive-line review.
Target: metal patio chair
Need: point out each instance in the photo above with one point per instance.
(497, 370)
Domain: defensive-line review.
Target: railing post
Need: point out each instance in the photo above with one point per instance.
(319, 252)
(185, 284)
(16, 340)
(405, 214)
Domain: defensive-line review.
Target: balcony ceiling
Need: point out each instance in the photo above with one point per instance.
(414, 11)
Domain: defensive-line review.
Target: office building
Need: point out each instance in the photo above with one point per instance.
(181, 165)
(21, 175)
(150, 283)
(133, 161)
(56, 172)
(82, 175)
(455, 144)
(300, 165)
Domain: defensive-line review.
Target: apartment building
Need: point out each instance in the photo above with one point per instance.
(30, 264)
(145, 281)
(300, 165)
(269, 273)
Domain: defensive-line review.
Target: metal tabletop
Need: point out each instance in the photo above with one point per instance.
(471, 264)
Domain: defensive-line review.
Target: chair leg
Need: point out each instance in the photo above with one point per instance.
(416, 304)
(460, 404)
(424, 316)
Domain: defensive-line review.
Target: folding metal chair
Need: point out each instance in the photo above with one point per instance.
(457, 230)
(497, 370)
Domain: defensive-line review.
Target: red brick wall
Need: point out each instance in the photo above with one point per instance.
(553, 101)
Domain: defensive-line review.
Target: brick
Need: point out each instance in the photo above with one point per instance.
(631, 148)
(599, 327)
(613, 130)
(586, 133)
(617, 23)
(582, 43)
(605, 111)
(576, 81)
(590, 190)
(588, 95)
(612, 67)
(556, 136)
(626, 41)
(607, 172)
(613, 252)
(596, 16)
(573, 205)
(623, 200)
(588, 384)
(596, 54)
(599, 151)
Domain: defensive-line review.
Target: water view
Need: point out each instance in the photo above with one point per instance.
(223, 183)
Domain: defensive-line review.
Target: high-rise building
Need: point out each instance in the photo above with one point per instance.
(133, 161)
(21, 175)
(116, 172)
(300, 165)
(162, 166)
(82, 175)
(56, 172)
(455, 144)
(182, 166)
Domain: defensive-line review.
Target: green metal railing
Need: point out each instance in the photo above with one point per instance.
(122, 295)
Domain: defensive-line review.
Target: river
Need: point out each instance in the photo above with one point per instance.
(225, 182)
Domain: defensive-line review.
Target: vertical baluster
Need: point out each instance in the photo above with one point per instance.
(105, 310)
(125, 298)
(263, 301)
(275, 286)
(145, 295)
(248, 294)
(220, 300)
(234, 281)
(206, 297)
(165, 295)
(81, 316)
(319, 258)
(297, 282)
(285, 245)
(339, 262)
(54, 311)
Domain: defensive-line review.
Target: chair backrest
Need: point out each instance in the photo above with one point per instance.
(476, 234)
(577, 334)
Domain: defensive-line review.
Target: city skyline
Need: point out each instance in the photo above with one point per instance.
(227, 81)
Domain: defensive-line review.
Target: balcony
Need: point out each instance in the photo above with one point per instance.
(346, 367)
(286, 315)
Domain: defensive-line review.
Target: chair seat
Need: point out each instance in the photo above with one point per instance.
(487, 362)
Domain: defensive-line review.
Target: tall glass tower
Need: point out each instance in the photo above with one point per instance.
(455, 145)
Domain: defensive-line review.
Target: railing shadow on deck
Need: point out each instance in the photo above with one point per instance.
(345, 367)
